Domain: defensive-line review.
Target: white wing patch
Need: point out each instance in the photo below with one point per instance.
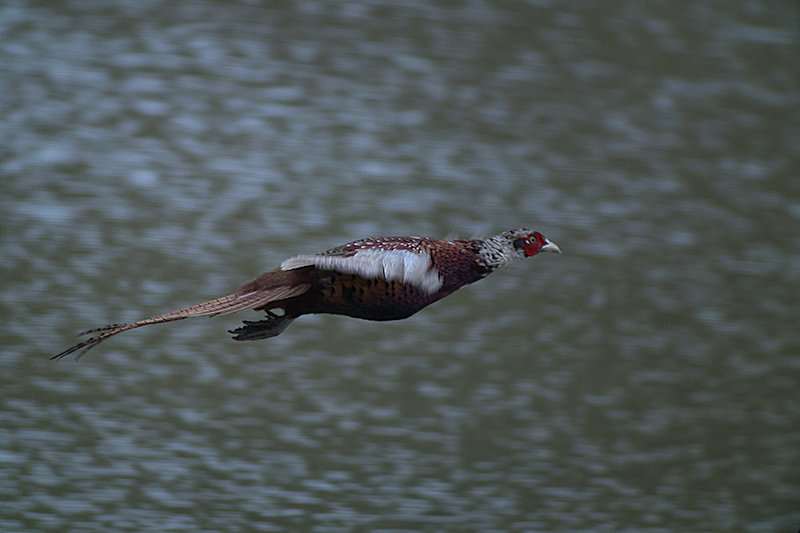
(404, 266)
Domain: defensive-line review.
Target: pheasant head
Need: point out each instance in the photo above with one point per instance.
(513, 245)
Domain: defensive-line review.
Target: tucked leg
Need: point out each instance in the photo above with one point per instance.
(262, 329)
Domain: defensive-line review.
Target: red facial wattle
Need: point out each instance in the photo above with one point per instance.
(536, 242)
(533, 243)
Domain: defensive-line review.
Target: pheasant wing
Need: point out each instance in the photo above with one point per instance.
(401, 259)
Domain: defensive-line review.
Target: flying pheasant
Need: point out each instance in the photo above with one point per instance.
(386, 278)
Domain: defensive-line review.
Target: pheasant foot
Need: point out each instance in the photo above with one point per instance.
(261, 329)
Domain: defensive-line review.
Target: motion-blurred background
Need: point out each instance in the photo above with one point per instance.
(158, 154)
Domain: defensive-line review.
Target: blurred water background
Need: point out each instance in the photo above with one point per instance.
(158, 154)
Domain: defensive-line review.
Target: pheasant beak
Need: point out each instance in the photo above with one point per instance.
(549, 246)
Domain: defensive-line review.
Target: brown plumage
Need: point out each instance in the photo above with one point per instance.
(386, 278)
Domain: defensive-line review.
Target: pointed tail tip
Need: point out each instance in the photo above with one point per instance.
(62, 355)
(86, 345)
(81, 348)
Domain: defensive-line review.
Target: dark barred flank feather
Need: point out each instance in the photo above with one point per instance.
(384, 278)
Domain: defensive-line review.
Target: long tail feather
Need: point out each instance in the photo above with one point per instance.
(221, 306)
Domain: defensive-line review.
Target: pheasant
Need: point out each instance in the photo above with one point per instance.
(386, 278)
